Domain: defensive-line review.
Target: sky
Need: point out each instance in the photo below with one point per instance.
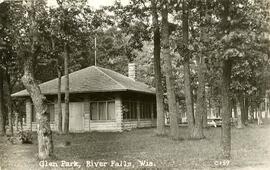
(94, 3)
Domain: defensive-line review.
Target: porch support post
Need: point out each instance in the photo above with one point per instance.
(138, 113)
(29, 110)
(119, 112)
(152, 114)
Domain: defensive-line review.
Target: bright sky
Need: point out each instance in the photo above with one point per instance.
(94, 3)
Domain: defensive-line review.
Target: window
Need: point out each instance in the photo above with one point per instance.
(34, 119)
(146, 110)
(94, 111)
(129, 109)
(111, 110)
(102, 110)
(51, 110)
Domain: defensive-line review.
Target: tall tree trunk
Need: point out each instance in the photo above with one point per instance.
(239, 113)
(225, 88)
(252, 112)
(266, 110)
(208, 111)
(240, 119)
(187, 81)
(2, 116)
(234, 108)
(59, 102)
(16, 121)
(158, 76)
(174, 128)
(59, 97)
(201, 105)
(45, 143)
(66, 65)
(246, 106)
(9, 101)
(260, 110)
(204, 116)
(226, 109)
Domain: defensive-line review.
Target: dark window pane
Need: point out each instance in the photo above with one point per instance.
(93, 111)
(134, 110)
(126, 109)
(51, 112)
(34, 119)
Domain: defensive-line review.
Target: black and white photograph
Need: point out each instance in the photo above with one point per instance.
(135, 84)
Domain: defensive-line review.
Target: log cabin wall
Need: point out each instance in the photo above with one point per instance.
(83, 102)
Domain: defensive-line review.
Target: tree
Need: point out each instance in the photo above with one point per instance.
(7, 88)
(174, 127)
(158, 77)
(225, 88)
(194, 122)
(66, 61)
(2, 117)
(45, 142)
(59, 99)
(59, 76)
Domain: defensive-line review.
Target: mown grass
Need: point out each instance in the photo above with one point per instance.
(250, 149)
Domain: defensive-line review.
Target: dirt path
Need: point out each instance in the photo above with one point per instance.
(17, 157)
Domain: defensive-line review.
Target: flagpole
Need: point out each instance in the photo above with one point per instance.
(95, 51)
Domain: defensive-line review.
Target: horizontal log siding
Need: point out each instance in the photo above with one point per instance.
(128, 125)
(106, 126)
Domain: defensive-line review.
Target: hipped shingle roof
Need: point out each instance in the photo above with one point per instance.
(92, 79)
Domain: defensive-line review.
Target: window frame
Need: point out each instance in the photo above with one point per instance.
(106, 110)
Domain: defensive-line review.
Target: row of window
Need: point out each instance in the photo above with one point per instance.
(131, 108)
(105, 110)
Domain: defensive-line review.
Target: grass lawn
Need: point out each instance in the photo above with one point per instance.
(250, 150)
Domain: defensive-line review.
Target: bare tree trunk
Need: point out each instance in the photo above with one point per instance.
(239, 114)
(2, 116)
(187, 81)
(246, 106)
(252, 112)
(174, 128)
(16, 121)
(266, 106)
(234, 107)
(208, 110)
(201, 105)
(59, 102)
(45, 143)
(205, 115)
(66, 121)
(240, 119)
(226, 110)
(260, 110)
(158, 76)
(21, 121)
(9, 101)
